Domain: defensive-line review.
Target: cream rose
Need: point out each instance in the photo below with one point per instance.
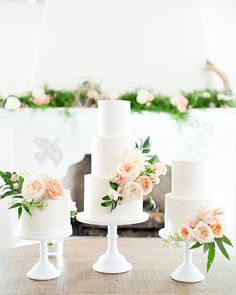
(33, 189)
(160, 168)
(92, 94)
(210, 219)
(128, 170)
(146, 184)
(120, 180)
(132, 191)
(186, 233)
(203, 233)
(54, 188)
(144, 97)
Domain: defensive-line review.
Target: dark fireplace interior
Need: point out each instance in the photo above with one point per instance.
(75, 182)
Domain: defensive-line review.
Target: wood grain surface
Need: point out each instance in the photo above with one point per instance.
(152, 266)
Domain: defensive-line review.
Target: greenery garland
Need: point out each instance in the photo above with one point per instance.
(88, 94)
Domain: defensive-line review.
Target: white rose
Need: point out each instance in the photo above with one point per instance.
(144, 97)
(12, 103)
(136, 157)
(33, 188)
(38, 92)
(206, 94)
(113, 194)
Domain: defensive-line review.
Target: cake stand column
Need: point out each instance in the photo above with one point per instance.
(44, 269)
(112, 261)
(187, 271)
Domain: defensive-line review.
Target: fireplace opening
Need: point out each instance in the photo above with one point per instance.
(75, 182)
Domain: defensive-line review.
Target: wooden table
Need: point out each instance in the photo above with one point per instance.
(152, 266)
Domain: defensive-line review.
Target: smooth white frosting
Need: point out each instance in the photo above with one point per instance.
(114, 118)
(189, 179)
(54, 218)
(178, 211)
(107, 154)
(95, 189)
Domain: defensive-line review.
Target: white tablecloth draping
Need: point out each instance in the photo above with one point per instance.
(48, 140)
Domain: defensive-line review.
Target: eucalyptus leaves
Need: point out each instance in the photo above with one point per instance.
(134, 177)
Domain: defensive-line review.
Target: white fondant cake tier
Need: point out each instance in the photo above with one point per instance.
(95, 189)
(107, 154)
(114, 118)
(51, 221)
(189, 179)
(179, 210)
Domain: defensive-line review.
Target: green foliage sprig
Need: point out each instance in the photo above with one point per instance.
(12, 188)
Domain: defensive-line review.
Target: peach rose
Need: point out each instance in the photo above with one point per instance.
(192, 223)
(203, 233)
(120, 180)
(54, 188)
(146, 184)
(180, 102)
(186, 233)
(128, 170)
(42, 100)
(33, 189)
(217, 229)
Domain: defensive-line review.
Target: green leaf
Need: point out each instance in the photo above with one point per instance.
(106, 198)
(146, 151)
(136, 145)
(152, 160)
(73, 214)
(146, 143)
(8, 193)
(27, 209)
(114, 185)
(19, 212)
(106, 204)
(15, 205)
(226, 241)
(222, 248)
(211, 256)
(196, 245)
(206, 247)
(17, 197)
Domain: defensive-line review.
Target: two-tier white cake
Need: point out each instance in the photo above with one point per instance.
(114, 137)
(189, 193)
(52, 222)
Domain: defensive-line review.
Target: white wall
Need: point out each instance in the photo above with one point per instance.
(123, 44)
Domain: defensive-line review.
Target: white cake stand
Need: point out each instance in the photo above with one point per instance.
(187, 272)
(112, 261)
(44, 269)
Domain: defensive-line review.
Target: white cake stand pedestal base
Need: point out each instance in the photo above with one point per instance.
(187, 272)
(44, 269)
(112, 261)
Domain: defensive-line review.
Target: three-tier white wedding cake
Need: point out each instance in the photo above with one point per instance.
(189, 193)
(114, 137)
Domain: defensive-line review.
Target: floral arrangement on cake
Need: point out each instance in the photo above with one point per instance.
(204, 230)
(88, 93)
(31, 193)
(134, 177)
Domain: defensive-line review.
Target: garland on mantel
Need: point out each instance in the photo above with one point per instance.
(88, 94)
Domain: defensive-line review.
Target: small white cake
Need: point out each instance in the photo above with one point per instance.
(52, 221)
(114, 130)
(188, 194)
